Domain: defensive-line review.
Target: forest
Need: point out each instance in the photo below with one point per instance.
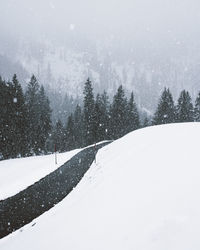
(26, 127)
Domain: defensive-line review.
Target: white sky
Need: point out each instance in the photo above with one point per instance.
(138, 23)
(94, 16)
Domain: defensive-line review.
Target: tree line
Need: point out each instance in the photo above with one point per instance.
(26, 127)
(183, 111)
(97, 119)
(25, 119)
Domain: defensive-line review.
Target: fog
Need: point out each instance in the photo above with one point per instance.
(158, 39)
(139, 19)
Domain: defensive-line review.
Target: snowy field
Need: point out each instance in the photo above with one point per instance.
(18, 174)
(142, 194)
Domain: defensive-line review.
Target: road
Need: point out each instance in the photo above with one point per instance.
(27, 205)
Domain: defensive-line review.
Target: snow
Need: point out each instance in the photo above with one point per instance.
(142, 193)
(18, 174)
(15, 100)
(72, 26)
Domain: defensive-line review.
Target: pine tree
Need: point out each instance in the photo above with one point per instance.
(8, 132)
(12, 119)
(33, 110)
(146, 122)
(70, 135)
(18, 120)
(44, 119)
(78, 127)
(97, 119)
(102, 116)
(4, 129)
(118, 112)
(185, 111)
(197, 109)
(89, 114)
(104, 106)
(39, 117)
(58, 137)
(133, 122)
(166, 111)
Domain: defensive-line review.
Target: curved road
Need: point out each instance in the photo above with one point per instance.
(25, 206)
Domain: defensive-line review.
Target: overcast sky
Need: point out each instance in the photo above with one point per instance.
(152, 21)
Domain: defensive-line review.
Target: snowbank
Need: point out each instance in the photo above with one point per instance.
(143, 193)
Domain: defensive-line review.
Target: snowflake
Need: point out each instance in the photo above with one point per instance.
(72, 26)
(15, 100)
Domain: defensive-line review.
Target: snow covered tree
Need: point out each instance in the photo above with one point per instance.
(185, 111)
(132, 115)
(166, 111)
(89, 113)
(118, 112)
(197, 109)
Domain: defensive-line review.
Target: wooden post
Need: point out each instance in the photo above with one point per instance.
(95, 152)
(55, 155)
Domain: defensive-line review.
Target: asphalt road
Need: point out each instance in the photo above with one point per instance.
(27, 205)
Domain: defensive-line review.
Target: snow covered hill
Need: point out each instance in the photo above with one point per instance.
(142, 193)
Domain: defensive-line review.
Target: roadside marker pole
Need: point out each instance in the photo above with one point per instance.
(55, 155)
(95, 153)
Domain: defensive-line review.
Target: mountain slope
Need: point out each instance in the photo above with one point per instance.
(142, 193)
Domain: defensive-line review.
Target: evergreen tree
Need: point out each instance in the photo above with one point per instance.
(58, 137)
(19, 121)
(133, 122)
(185, 111)
(4, 124)
(197, 109)
(33, 110)
(78, 127)
(102, 116)
(97, 119)
(44, 119)
(8, 132)
(89, 114)
(166, 111)
(12, 119)
(118, 112)
(146, 122)
(104, 106)
(70, 137)
(39, 117)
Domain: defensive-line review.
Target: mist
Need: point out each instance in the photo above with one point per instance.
(113, 42)
(134, 19)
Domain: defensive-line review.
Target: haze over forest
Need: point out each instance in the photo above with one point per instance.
(144, 45)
